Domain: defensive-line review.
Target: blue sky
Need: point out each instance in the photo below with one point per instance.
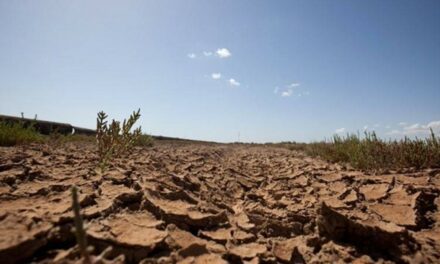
(217, 70)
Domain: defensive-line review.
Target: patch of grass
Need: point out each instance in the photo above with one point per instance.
(370, 152)
(12, 134)
(144, 140)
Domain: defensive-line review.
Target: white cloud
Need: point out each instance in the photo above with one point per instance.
(412, 127)
(435, 125)
(233, 82)
(287, 93)
(417, 129)
(191, 55)
(365, 127)
(376, 125)
(207, 53)
(216, 75)
(293, 85)
(223, 53)
(340, 130)
(403, 124)
(290, 90)
(388, 127)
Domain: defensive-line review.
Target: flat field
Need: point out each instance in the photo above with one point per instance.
(213, 203)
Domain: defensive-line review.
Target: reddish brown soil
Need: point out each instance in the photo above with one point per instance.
(195, 203)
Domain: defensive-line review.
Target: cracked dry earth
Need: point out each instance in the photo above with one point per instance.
(207, 203)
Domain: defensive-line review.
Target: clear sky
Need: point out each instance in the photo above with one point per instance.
(220, 70)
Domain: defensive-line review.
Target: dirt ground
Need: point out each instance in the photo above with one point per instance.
(208, 203)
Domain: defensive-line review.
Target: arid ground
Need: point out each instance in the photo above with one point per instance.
(214, 203)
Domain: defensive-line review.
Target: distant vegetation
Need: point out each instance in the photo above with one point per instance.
(370, 152)
(16, 133)
(21, 133)
(12, 134)
(144, 140)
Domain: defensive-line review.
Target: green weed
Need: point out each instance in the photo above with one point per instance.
(115, 139)
(80, 234)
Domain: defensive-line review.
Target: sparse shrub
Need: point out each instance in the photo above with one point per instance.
(370, 152)
(12, 134)
(115, 139)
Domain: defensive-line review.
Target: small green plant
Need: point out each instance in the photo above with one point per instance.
(80, 234)
(115, 139)
(81, 238)
(12, 134)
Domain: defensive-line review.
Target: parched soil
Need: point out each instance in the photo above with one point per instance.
(208, 203)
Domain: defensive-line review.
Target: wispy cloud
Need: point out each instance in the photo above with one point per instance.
(290, 90)
(233, 82)
(435, 125)
(293, 85)
(365, 127)
(287, 93)
(216, 75)
(223, 53)
(416, 129)
(413, 127)
(340, 130)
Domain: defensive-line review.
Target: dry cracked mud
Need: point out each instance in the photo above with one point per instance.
(213, 203)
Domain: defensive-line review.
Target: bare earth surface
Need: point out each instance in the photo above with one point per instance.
(195, 203)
